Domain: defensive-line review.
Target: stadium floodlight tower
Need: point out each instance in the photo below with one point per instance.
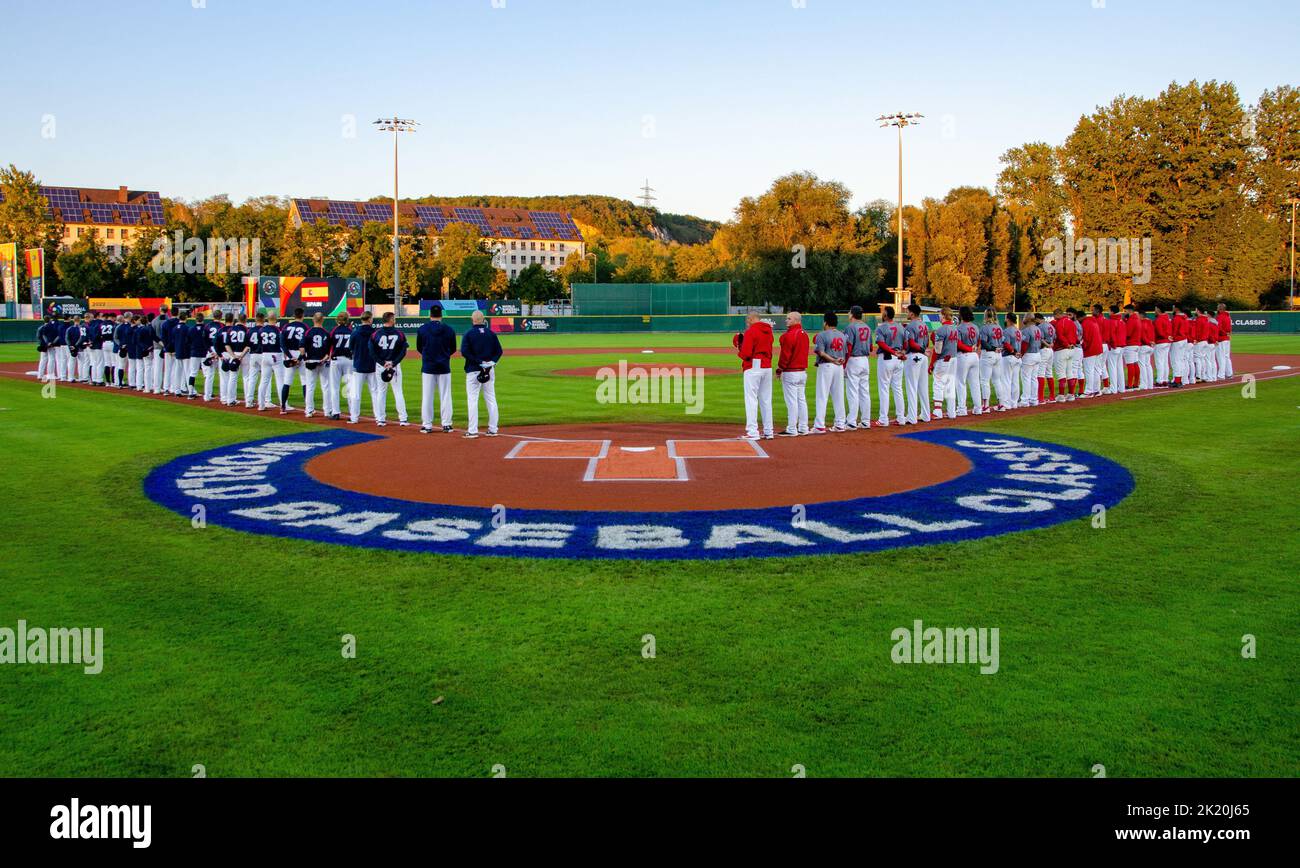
(396, 125)
(900, 120)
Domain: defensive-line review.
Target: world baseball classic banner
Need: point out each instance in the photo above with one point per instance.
(330, 296)
(9, 277)
(36, 277)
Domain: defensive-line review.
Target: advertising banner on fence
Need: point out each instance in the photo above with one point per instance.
(65, 305)
(141, 306)
(36, 277)
(9, 277)
(330, 296)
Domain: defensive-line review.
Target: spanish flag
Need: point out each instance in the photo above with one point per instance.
(315, 291)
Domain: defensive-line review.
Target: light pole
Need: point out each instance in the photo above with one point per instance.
(900, 120)
(1293, 201)
(396, 125)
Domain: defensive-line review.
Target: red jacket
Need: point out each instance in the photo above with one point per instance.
(1182, 327)
(1198, 328)
(1133, 331)
(1115, 333)
(1164, 328)
(1211, 329)
(1067, 334)
(1225, 326)
(1148, 332)
(794, 350)
(756, 346)
(1091, 336)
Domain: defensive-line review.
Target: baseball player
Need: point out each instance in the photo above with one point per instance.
(146, 353)
(436, 344)
(889, 368)
(831, 349)
(1010, 350)
(944, 366)
(1196, 346)
(1224, 346)
(754, 347)
(95, 348)
(481, 349)
(990, 355)
(76, 340)
(1065, 337)
(1132, 346)
(340, 367)
(792, 370)
(316, 346)
(1164, 330)
(1179, 348)
(265, 354)
(236, 340)
(181, 359)
(47, 369)
(857, 370)
(118, 355)
(207, 359)
(1146, 353)
(968, 363)
(1094, 352)
(388, 345)
(916, 366)
(1031, 343)
(1212, 347)
(363, 368)
(292, 335)
(1116, 339)
(1046, 356)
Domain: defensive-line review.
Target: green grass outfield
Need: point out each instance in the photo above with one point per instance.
(1119, 646)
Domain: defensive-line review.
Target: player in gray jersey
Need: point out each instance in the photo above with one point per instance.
(1045, 357)
(1009, 366)
(944, 366)
(916, 366)
(889, 369)
(831, 349)
(1032, 342)
(990, 355)
(857, 370)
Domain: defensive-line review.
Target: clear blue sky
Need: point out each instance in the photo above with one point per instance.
(710, 99)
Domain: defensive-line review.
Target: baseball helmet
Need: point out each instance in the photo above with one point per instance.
(234, 364)
(484, 375)
(311, 366)
(207, 363)
(387, 375)
(288, 362)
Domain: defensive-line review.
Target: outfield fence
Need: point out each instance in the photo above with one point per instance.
(1243, 322)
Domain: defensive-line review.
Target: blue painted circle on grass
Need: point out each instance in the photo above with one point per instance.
(1014, 484)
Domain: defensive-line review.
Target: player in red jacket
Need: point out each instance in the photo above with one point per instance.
(1225, 342)
(1146, 357)
(792, 370)
(1094, 356)
(1212, 348)
(1180, 353)
(1113, 333)
(754, 347)
(1164, 329)
(1132, 346)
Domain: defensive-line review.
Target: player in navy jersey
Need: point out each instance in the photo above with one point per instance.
(363, 368)
(291, 338)
(388, 345)
(316, 346)
(340, 369)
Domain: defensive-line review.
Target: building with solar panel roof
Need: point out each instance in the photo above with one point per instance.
(520, 237)
(116, 217)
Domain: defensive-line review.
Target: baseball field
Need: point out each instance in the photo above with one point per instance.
(1158, 639)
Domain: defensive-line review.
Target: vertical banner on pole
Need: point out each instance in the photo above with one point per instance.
(36, 277)
(9, 278)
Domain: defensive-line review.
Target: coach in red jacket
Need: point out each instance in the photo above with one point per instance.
(1094, 355)
(754, 346)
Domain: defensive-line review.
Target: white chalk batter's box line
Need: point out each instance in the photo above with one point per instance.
(683, 474)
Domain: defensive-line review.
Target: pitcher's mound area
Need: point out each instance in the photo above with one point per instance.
(669, 468)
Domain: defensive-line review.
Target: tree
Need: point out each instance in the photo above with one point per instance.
(535, 285)
(83, 269)
(25, 219)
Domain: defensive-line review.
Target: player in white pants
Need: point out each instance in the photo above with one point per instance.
(340, 369)
(857, 370)
(831, 347)
(916, 366)
(792, 371)
(944, 366)
(436, 344)
(890, 337)
(753, 346)
(1224, 346)
(968, 364)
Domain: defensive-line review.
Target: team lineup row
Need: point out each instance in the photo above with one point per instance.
(164, 355)
(1027, 361)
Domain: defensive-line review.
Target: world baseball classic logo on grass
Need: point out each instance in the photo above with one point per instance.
(638, 493)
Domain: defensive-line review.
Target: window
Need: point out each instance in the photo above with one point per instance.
(514, 245)
(513, 260)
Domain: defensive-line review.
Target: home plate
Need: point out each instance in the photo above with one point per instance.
(637, 448)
